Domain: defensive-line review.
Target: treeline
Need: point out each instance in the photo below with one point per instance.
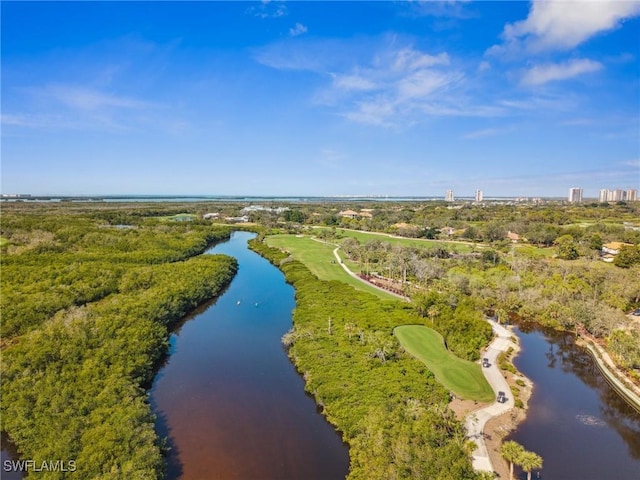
(569, 294)
(389, 407)
(541, 223)
(459, 319)
(83, 329)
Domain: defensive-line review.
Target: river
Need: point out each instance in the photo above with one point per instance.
(233, 406)
(228, 398)
(576, 421)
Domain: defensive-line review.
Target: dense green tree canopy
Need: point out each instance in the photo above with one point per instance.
(86, 307)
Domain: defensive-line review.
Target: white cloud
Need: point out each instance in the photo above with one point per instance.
(298, 29)
(385, 82)
(268, 9)
(423, 83)
(444, 8)
(378, 111)
(541, 74)
(83, 98)
(562, 25)
(353, 82)
(484, 66)
(68, 106)
(487, 132)
(631, 163)
(577, 122)
(408, 59)
(396, 86)
(302, 54)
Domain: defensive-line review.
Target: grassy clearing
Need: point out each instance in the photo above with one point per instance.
(180, 217)
(532, 251)
(364, 237)
(318, 258)
(462, 377)
(459, 246)
(3, 241)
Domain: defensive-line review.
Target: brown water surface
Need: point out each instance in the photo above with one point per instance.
(579, 425)
(228, 398)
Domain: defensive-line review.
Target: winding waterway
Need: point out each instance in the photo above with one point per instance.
(228, 398)
(576, 421)
(233, 407)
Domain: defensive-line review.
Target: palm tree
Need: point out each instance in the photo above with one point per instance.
(433, 312)
(512, 452)
(529, 461)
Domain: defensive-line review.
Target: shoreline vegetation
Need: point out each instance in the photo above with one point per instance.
(87, 309)
(621, 383)
(464, 378)
(89, 291)
(389, 407)
(496, 428)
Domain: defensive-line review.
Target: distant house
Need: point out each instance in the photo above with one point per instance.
(366, 213)
(242, 219)
(448, 230)
(402, 225)
(348, 214)
(406, 229)
(613, 248)
(513, 237)
(209, 216)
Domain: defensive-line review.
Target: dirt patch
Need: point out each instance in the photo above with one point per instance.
(463, 407)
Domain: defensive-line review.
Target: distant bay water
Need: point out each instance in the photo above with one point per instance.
(244, 198)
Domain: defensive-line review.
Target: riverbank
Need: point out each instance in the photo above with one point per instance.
(616, 378)
(87, 321)
(498, 428)
(228, 397)
(390, 409)
(488, 424)
(576, 422)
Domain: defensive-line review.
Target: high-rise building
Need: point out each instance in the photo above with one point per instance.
(448, 197)
(478, 196)
(603, 197)
(618, 195)
(575, 195)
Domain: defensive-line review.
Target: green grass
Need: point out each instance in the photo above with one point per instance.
(180, 217)
(318, 258)
(459, 246)
(3, 241)
(462, 377)
(532, 251)
(364, 237)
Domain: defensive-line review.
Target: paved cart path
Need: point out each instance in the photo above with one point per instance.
(476, 420)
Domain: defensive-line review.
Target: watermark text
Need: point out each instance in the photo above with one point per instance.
(37, 466)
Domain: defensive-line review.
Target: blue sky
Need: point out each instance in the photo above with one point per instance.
(320, 98)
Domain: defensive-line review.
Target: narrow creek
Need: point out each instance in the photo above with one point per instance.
(228, 398)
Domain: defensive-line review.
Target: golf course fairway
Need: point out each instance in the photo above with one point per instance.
(463, 378)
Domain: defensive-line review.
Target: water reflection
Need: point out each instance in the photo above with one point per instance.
(8, 454)
(229, 400)
(576, 421)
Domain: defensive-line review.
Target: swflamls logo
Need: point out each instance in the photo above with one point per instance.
(44, 466)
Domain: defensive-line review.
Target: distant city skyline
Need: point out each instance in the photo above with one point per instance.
(320, 98)
(618, 195)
